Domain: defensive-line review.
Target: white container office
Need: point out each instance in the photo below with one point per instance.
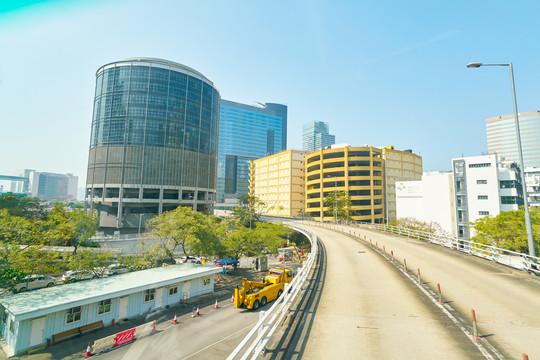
(30, 319)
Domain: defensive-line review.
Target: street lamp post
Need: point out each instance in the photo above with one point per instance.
(140, 220)
(528, 225)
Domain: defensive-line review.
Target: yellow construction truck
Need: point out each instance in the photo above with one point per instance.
(253, 294)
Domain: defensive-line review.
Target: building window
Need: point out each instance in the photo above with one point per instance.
(483, 213)
(73, 315)
(173, 290)
(206, 281)
(480, 165)
(482, 197)
(481, 182)
(509, 200)
(149, 295)
(11, 325)
(507, 184)
(104, 307)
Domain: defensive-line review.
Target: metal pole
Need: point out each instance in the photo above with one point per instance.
(335, 199)
(140, 220)
(528, 225)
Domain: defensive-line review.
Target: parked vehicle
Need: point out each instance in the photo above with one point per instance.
(115, 268)
(32, 282)
(77, 275)
(191, 259)
(253, 294)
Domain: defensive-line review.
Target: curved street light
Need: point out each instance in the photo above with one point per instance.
(528, 225)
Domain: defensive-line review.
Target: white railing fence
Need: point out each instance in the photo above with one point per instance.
(255, 341)
(502, 256)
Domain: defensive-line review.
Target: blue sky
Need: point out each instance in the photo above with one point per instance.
(381, 73)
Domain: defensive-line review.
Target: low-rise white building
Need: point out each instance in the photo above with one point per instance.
(483, 187)
(532, 179)
(430, 199)
(33, 318)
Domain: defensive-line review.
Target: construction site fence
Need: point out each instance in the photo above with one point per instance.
(513, 259)
(255, 342)
(108, 342)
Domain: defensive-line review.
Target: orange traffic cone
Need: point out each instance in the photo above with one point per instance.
(218, 279)
(232, 298)
(175, 321)
(88, 351)
(154, 325)
(197, 313)
(215, 306)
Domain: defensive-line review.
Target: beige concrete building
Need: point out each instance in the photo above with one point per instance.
(278, 181)
(398, 166)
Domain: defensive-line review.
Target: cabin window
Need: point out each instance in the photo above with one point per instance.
(104, 307)
(73, 315)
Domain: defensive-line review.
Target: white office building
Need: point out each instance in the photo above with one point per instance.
(483, 187)
(430, 200)
(532, 179)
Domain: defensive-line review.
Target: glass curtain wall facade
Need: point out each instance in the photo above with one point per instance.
(501, 138)
(246, 133)
(316, 136)
(153, 142)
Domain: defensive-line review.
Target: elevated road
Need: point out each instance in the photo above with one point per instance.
(368, 307)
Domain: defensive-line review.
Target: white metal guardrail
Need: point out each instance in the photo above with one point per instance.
(502, 256)
(256, 340)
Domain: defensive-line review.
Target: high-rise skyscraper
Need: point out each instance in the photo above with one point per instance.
(501, 138)
(153, 143)
(246, 133)
(316, 136)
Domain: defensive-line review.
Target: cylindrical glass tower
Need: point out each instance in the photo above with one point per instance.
(153, 143)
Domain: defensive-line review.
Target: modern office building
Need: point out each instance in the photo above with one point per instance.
(246, 133)
(153, 143)
(316, 136)
(51, 186)
(278, 181)
(501, 138)
(431, 200)
(356, 170)
(484, 186)
(398, 166)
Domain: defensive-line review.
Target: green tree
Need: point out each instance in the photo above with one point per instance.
(20, 230)
(70, 227)
(22, 206)
(237, 240)
(340, 206)
(507, 230)
(190, 230)
(91, 261)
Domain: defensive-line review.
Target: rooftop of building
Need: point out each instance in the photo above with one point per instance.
(150, 60)
(511, 116)
(36, 303)
(258, 108)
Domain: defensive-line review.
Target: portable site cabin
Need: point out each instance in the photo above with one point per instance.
(28, 320)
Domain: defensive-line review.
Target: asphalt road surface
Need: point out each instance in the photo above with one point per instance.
(369, 309)
(213, 335)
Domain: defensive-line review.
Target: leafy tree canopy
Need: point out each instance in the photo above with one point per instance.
(507, 230)
(22, 206)
(419, 225)
(190, 230)
(339, 206)
(66, 227)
